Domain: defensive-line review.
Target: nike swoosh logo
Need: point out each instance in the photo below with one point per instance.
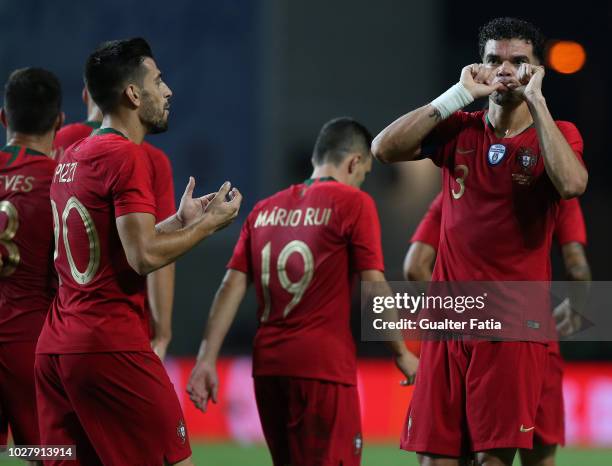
(525, 429)
(465, 151)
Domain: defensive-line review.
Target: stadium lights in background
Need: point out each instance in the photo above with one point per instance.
(566, 56)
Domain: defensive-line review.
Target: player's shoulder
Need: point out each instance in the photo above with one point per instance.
(154, 152)
(567, 126)
(476, 119)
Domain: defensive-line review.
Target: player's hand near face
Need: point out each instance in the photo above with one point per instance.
(477, 78)
(530, 78)
(408, 364)
(203, 384)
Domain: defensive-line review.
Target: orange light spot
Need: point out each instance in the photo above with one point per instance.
(566, 57)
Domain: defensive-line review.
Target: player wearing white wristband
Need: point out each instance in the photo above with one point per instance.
(504, 172)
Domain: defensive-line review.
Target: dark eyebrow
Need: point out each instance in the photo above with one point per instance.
(521, 57)
(158, 76)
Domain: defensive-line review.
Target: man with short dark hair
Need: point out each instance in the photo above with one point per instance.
(504, 172)
(301, 248)
(31, 115)
(97, 378)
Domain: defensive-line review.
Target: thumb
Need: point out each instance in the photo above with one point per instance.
(214, 393)
(190, 187)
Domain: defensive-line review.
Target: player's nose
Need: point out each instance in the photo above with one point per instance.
(505, 69)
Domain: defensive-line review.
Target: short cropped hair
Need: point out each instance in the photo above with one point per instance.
(512, 28)
(338, 138)
(32, 100)
(111, 67)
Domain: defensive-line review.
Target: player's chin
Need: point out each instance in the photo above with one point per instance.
(158, 127)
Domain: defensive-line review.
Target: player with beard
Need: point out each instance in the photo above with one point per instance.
(99, 384)
(160, 284)
(504, 172)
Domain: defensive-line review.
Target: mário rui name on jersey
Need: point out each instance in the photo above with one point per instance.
(279, 217)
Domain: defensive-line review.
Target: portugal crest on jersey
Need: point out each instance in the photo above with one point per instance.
(496, 154)
(181, 431)
(526, 161)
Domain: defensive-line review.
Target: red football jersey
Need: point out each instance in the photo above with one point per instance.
(163, 182)
(27, 278)
(161, 170)
(301, 248)
(100, 303)
(428, 230)
(71, 133)
(499, 207)
(570, 225)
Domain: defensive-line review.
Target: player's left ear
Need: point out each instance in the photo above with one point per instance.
(354, 160)
(132, 92)
(3, 117)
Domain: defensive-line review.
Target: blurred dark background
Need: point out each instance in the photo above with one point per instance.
(254, 80)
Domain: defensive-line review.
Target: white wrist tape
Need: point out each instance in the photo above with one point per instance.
(452, 100)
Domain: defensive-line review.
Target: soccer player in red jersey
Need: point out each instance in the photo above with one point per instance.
(301, 247)
(160, 283)
(31, 115)
(97, 377)
(504, 172)
(570, 233)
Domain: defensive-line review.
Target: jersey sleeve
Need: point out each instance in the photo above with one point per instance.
(428, 230)
(573, 137)
(570, 225)
(440, 143)
(130, 182)
(163, 183)
(364, 236)
(241, 257)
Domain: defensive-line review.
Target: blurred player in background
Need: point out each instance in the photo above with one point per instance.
(504, 171)
(301, 247)
(570, 233)
(160, 284)
(31, 115)
(99, 385)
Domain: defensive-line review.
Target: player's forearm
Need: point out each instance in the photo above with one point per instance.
(169, 225)
(562, 165)
(161, 249)
(222, 314)
(160, 289)
(401, 140)
(577, 270)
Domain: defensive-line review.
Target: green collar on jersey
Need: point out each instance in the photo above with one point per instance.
(14, 151)
(310, 181)
(93, 124)
(101, 131)
(493, 127)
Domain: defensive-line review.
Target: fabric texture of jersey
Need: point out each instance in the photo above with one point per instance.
(428, 230)
(100, 303)
(27, 279)
(302, 247)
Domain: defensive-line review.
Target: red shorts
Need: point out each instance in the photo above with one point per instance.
(309, 422)
(18, 393)
(117, 408)
(475, 396)
(550, 419)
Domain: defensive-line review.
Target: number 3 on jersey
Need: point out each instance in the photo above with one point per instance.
(6, 239)
(82, 278)
(296, 289)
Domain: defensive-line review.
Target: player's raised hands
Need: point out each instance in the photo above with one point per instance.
(203, 384)
(192, 209)
(477, 79)
(223, 206)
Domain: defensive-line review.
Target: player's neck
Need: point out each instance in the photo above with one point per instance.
(127, 124)
(325, 171)
(509, 121)
(94, 114)
(40, 143)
